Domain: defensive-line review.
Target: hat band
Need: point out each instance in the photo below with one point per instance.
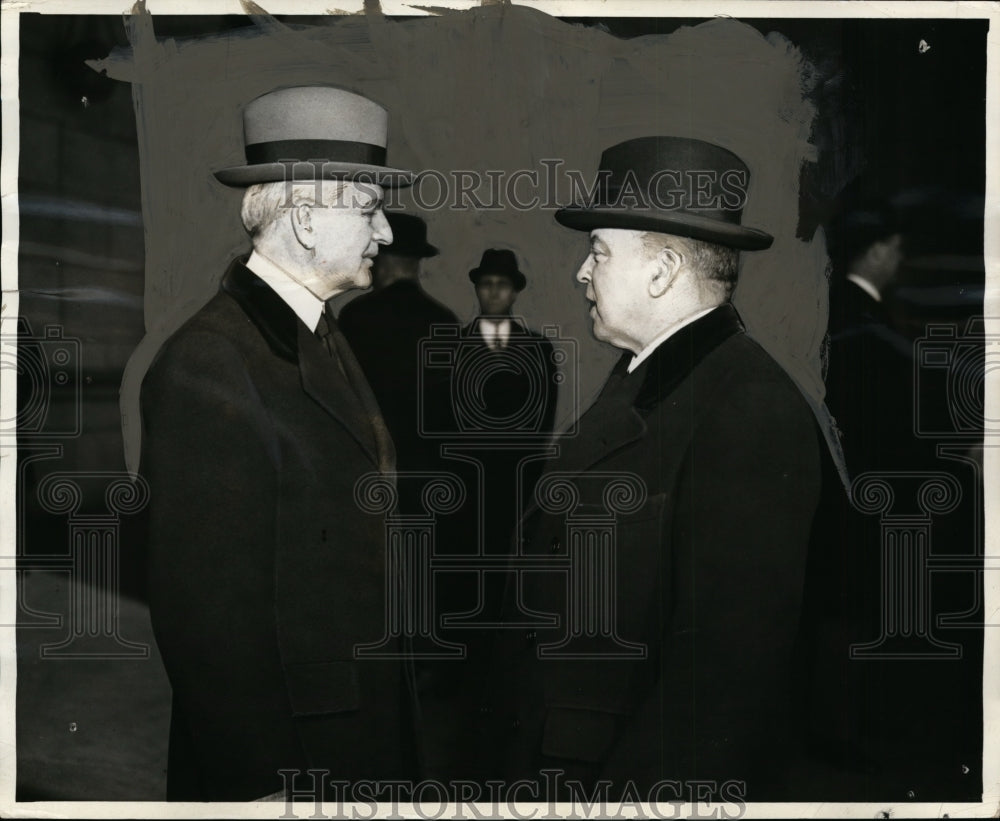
(315, 151)
(718, 204)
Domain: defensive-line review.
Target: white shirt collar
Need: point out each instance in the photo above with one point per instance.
(307, 306)
(495, 328)
(645, 353)
(865, 286)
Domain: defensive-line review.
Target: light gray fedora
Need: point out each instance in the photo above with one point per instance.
(317, 132)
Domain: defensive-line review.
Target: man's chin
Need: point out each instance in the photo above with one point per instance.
(598, 330)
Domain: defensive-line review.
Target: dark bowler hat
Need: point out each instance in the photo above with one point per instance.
(409, 236)
(672, 185)
(499, 261)
(330, 132)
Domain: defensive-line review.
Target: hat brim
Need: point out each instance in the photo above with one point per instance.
(582, 218)
(242, 176)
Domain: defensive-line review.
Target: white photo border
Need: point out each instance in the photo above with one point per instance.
(11, 12)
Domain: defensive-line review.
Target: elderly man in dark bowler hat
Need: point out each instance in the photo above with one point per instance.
(265, 574)
(672, 657)
(385, 328)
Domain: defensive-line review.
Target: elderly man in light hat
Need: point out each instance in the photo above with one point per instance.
(265, 573)
(672, 655)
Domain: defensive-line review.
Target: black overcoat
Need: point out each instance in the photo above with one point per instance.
(264, 570)
(869, 385)
(696, 625)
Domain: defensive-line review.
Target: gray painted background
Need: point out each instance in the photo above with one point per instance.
(499, 87)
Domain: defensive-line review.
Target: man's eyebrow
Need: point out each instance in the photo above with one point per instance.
(595, 242)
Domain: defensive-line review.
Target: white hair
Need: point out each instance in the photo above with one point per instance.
(264, 202)
(714, 263)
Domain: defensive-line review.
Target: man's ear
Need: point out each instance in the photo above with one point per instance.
(301, 217)
(667, 265)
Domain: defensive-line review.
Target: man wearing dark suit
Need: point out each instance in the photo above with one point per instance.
(385, 328)
(501, 389)
(872, 393)
(265, 572)
(514, 392)
(869, 379)
(673, 652)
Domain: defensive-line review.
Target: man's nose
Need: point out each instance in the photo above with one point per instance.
(381, 231)
(583, 275)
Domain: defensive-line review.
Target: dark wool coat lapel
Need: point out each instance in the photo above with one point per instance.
(268, 311)
(291, 340)
(616, 417)
(672, 362)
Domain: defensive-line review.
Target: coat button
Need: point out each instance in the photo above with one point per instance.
(555, 545)
(530, 637)
(515, 724)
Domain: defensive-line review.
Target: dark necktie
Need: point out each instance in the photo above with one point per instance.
(324, 332)
(340, 352)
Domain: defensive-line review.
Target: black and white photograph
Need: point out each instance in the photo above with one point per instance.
(501, 409)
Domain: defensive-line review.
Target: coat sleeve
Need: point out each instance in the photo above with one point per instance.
(209, 456)
(734, 556)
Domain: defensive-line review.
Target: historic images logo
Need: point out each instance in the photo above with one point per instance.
(952, 363)
(455, 376)
(548, 187)
(49, 412)
(320, 796)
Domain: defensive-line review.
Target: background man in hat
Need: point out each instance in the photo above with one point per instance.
(384, 328)
(869, 378)
(502, 396)
(515, 380)
(264, 572)
(673, 653)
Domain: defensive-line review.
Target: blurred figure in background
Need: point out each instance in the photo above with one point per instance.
(384, 328)
(502, 389)
(869, 378)
(901, 271)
